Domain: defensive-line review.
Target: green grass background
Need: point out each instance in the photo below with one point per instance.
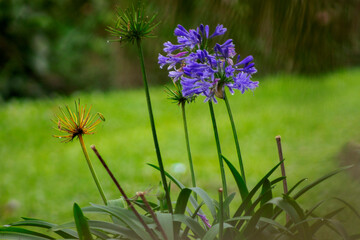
(314, 115)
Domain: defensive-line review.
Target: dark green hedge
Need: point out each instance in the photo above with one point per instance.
(58, 47)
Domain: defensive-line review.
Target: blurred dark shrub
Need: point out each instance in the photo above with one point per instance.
(53, 46)
(58, 47)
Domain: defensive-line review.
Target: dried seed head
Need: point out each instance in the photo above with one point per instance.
(75, 123)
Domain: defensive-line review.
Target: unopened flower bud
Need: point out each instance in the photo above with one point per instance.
(160, 195)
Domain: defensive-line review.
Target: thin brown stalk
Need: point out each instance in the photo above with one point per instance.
(153, 215)
(124, 194)
(221, 214)
(283, 173)
(281, 158)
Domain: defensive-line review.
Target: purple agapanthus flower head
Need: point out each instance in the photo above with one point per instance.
(200, 70)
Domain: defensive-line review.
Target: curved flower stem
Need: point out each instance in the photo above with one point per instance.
(81, 140)
(188, 146)
(235, 137)
(152, 122)
(221, 162)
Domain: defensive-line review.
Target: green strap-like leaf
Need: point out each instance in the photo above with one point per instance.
(244, 192)
(320, 222)
(247, 202)
(313, 184)
(81, 223)
(250, 210)
(267, 196)
(264, 220)
(282, 203)
(20, 233)
(207, 200)
(99, 234)
(191, 223)
(214, 231)
(276, 180)
(296, 185)
(180, 208)
(338, 228)
(113, 229)
(166, 222)
(349, 206)
(227, 202)
(128, 218)
(65, 233)
(182, 200)
(303, 228)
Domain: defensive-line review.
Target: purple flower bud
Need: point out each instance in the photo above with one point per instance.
(169, 47)
(245, 60)
(180, 31)
(219, 30)
(204, 30)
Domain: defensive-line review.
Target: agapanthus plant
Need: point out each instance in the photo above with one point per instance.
(200, 69)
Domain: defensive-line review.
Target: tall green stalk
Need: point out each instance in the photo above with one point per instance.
(188, 145)
(81, 140)
(218, 147)
(152, 122)
(237, 145)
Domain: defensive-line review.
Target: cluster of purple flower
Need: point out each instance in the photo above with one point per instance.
(206, 72)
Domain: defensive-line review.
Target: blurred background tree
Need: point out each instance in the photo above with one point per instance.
(53, 47)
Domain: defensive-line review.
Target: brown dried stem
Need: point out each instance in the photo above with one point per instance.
(283, 173)
(153, 215)
(124, 194)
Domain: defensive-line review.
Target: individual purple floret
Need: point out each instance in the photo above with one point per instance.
(204, 219)
(242, 82)
(206, 71)
(220, 30)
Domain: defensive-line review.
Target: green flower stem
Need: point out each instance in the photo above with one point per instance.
(188, 146)
(152, 122)
(81, 140)
(235, 137)
(221, 162)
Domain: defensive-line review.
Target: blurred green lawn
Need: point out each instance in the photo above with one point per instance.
(314, 115)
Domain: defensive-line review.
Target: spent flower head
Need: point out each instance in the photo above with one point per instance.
(176, 96)
(132, 24)
(206, 71)
(76, 123)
